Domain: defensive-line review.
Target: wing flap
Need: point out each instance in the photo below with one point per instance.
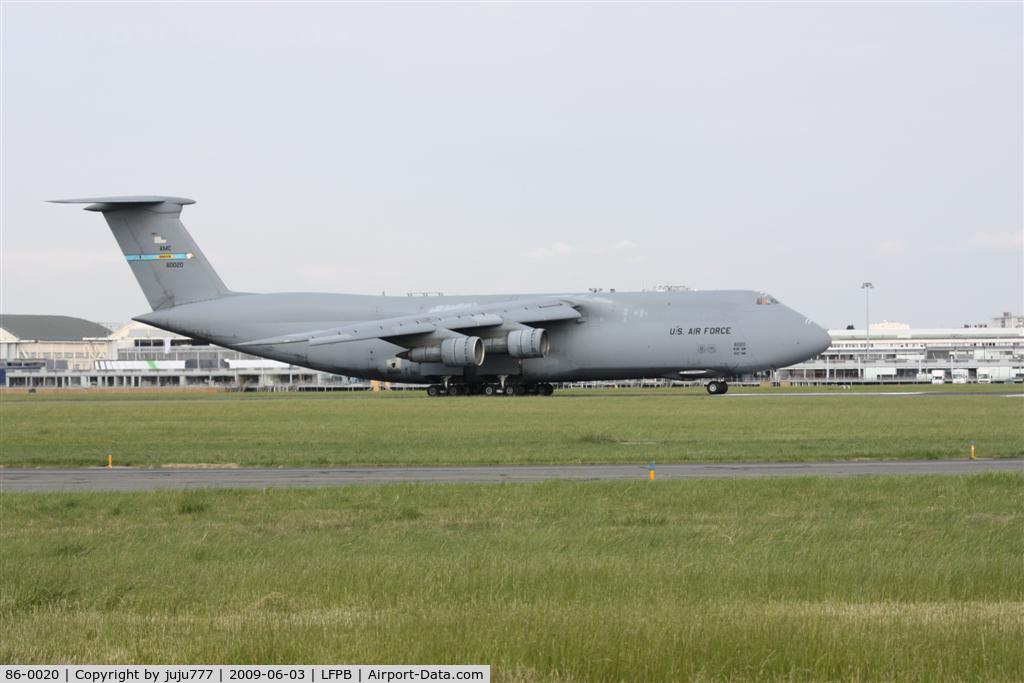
(372, 330)
(544, 313)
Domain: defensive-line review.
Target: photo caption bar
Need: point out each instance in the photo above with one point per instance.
(175, 673)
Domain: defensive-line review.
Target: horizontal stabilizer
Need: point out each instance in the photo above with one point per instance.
(114, 203)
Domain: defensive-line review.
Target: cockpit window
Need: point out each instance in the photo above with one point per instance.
(766, 300)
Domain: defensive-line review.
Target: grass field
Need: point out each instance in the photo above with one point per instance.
(406, 428)
(895, 578)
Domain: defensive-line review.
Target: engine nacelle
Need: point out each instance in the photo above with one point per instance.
(456, 351)
(529, 343)
(462, 351)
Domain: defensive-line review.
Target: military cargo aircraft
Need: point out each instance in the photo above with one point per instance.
(514, 344)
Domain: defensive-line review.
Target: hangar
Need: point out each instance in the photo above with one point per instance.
(55, 342)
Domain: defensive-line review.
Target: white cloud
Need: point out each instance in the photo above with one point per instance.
(998, 240)
(562, 249)
(891, 247)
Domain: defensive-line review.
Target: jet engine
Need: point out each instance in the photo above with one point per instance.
(456, 351)
(528, 343)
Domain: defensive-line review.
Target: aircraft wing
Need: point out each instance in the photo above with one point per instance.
(457, 318)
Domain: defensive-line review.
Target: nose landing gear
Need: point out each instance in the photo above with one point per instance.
(716, 387)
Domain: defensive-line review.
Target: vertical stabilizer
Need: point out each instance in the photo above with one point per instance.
(170, 267)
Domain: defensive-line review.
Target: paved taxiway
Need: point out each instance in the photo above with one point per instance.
(138, 479)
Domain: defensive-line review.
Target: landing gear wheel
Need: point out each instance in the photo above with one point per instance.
(433, 390)
(454, 390)
(715, 387)
(545, 389)
(490, 390)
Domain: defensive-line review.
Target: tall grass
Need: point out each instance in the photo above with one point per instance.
(891, 578)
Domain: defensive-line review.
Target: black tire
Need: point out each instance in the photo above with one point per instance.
(490, 390)
(455, 390)
(713, 388)
(433, 390)
(725, 387)
(546, 389)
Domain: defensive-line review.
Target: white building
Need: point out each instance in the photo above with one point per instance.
(58, 351)
(53, 342)
(897, 353)
(1008, 320)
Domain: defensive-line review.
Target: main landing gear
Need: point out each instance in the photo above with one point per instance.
(716, 387)
(456, 389)
(530, 389)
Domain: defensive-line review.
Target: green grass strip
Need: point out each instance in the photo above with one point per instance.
(867, 578)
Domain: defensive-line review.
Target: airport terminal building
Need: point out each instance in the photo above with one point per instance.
(39, 351)
(46, 351)
(896, 353)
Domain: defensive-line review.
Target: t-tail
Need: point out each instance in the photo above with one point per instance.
(166, 261)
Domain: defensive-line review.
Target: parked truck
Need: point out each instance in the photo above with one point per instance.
(996, 373)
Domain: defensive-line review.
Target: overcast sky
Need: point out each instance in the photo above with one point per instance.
(484, 148)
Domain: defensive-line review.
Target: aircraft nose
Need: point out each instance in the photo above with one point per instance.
(811, 339)
(818, 339)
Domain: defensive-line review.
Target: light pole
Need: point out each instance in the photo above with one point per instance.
(867, 287)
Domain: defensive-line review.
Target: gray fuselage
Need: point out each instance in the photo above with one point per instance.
(620, 335)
